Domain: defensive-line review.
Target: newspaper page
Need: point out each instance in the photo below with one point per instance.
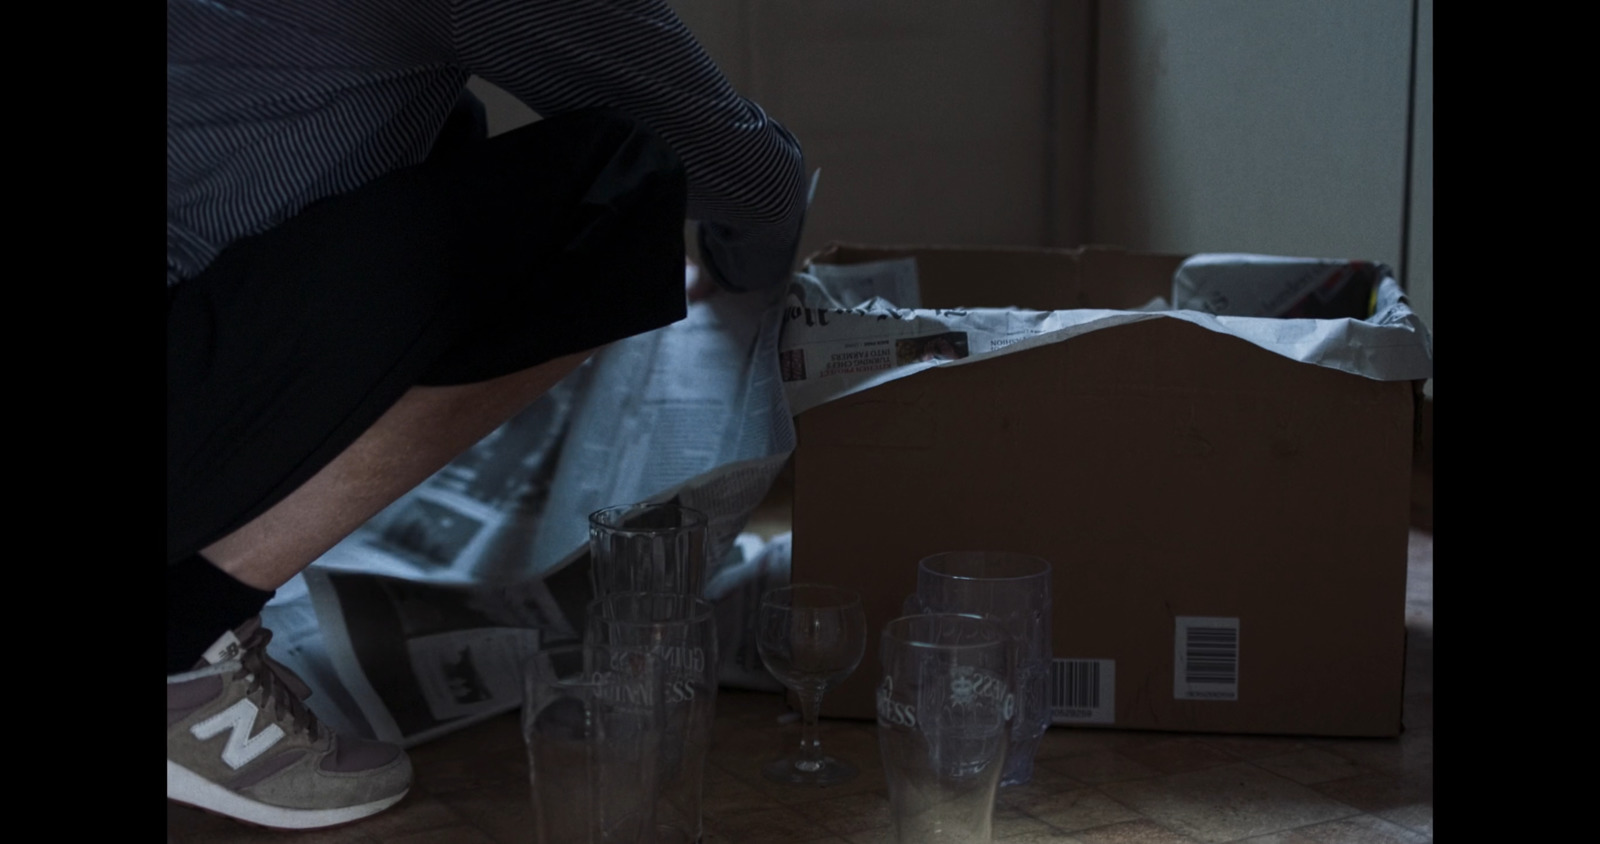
(830, 350)
(694, 411)
(420, 659)
(755, 568)
(849, 286)
(1276, 286)
(469, 523)
(415, 625)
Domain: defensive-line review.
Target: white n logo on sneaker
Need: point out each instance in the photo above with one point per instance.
(242, 747)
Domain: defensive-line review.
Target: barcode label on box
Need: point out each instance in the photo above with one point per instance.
(1083, 691)
(1206, 666)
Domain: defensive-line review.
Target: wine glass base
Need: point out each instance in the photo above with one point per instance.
(792, 770)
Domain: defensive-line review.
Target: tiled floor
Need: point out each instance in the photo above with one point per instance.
(1090, 787)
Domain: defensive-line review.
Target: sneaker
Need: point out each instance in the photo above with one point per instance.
(241, 743)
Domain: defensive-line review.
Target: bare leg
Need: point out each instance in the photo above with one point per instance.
(421, 433)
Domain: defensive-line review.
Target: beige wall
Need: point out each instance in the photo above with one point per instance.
(929, 119)
(1240, 125)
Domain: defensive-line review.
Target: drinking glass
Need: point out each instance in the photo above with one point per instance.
(1013, 592)
(681, 632)
(944, 704)
(592, 720)
(811, 637)
(648, 548)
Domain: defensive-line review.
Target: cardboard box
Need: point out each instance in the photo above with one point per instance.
(1174, 475)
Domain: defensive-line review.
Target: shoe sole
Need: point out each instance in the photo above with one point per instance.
(185, 786)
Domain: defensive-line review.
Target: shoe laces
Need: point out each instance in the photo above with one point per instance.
(278, 685)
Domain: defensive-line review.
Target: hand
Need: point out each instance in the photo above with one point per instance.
(698, 285)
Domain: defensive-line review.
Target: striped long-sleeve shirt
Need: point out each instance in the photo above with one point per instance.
(275, 104)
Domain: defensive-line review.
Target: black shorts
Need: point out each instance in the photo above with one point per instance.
(491, 257)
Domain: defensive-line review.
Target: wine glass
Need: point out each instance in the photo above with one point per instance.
(811, 638)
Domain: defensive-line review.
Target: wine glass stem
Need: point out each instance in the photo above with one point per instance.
(810, 758)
